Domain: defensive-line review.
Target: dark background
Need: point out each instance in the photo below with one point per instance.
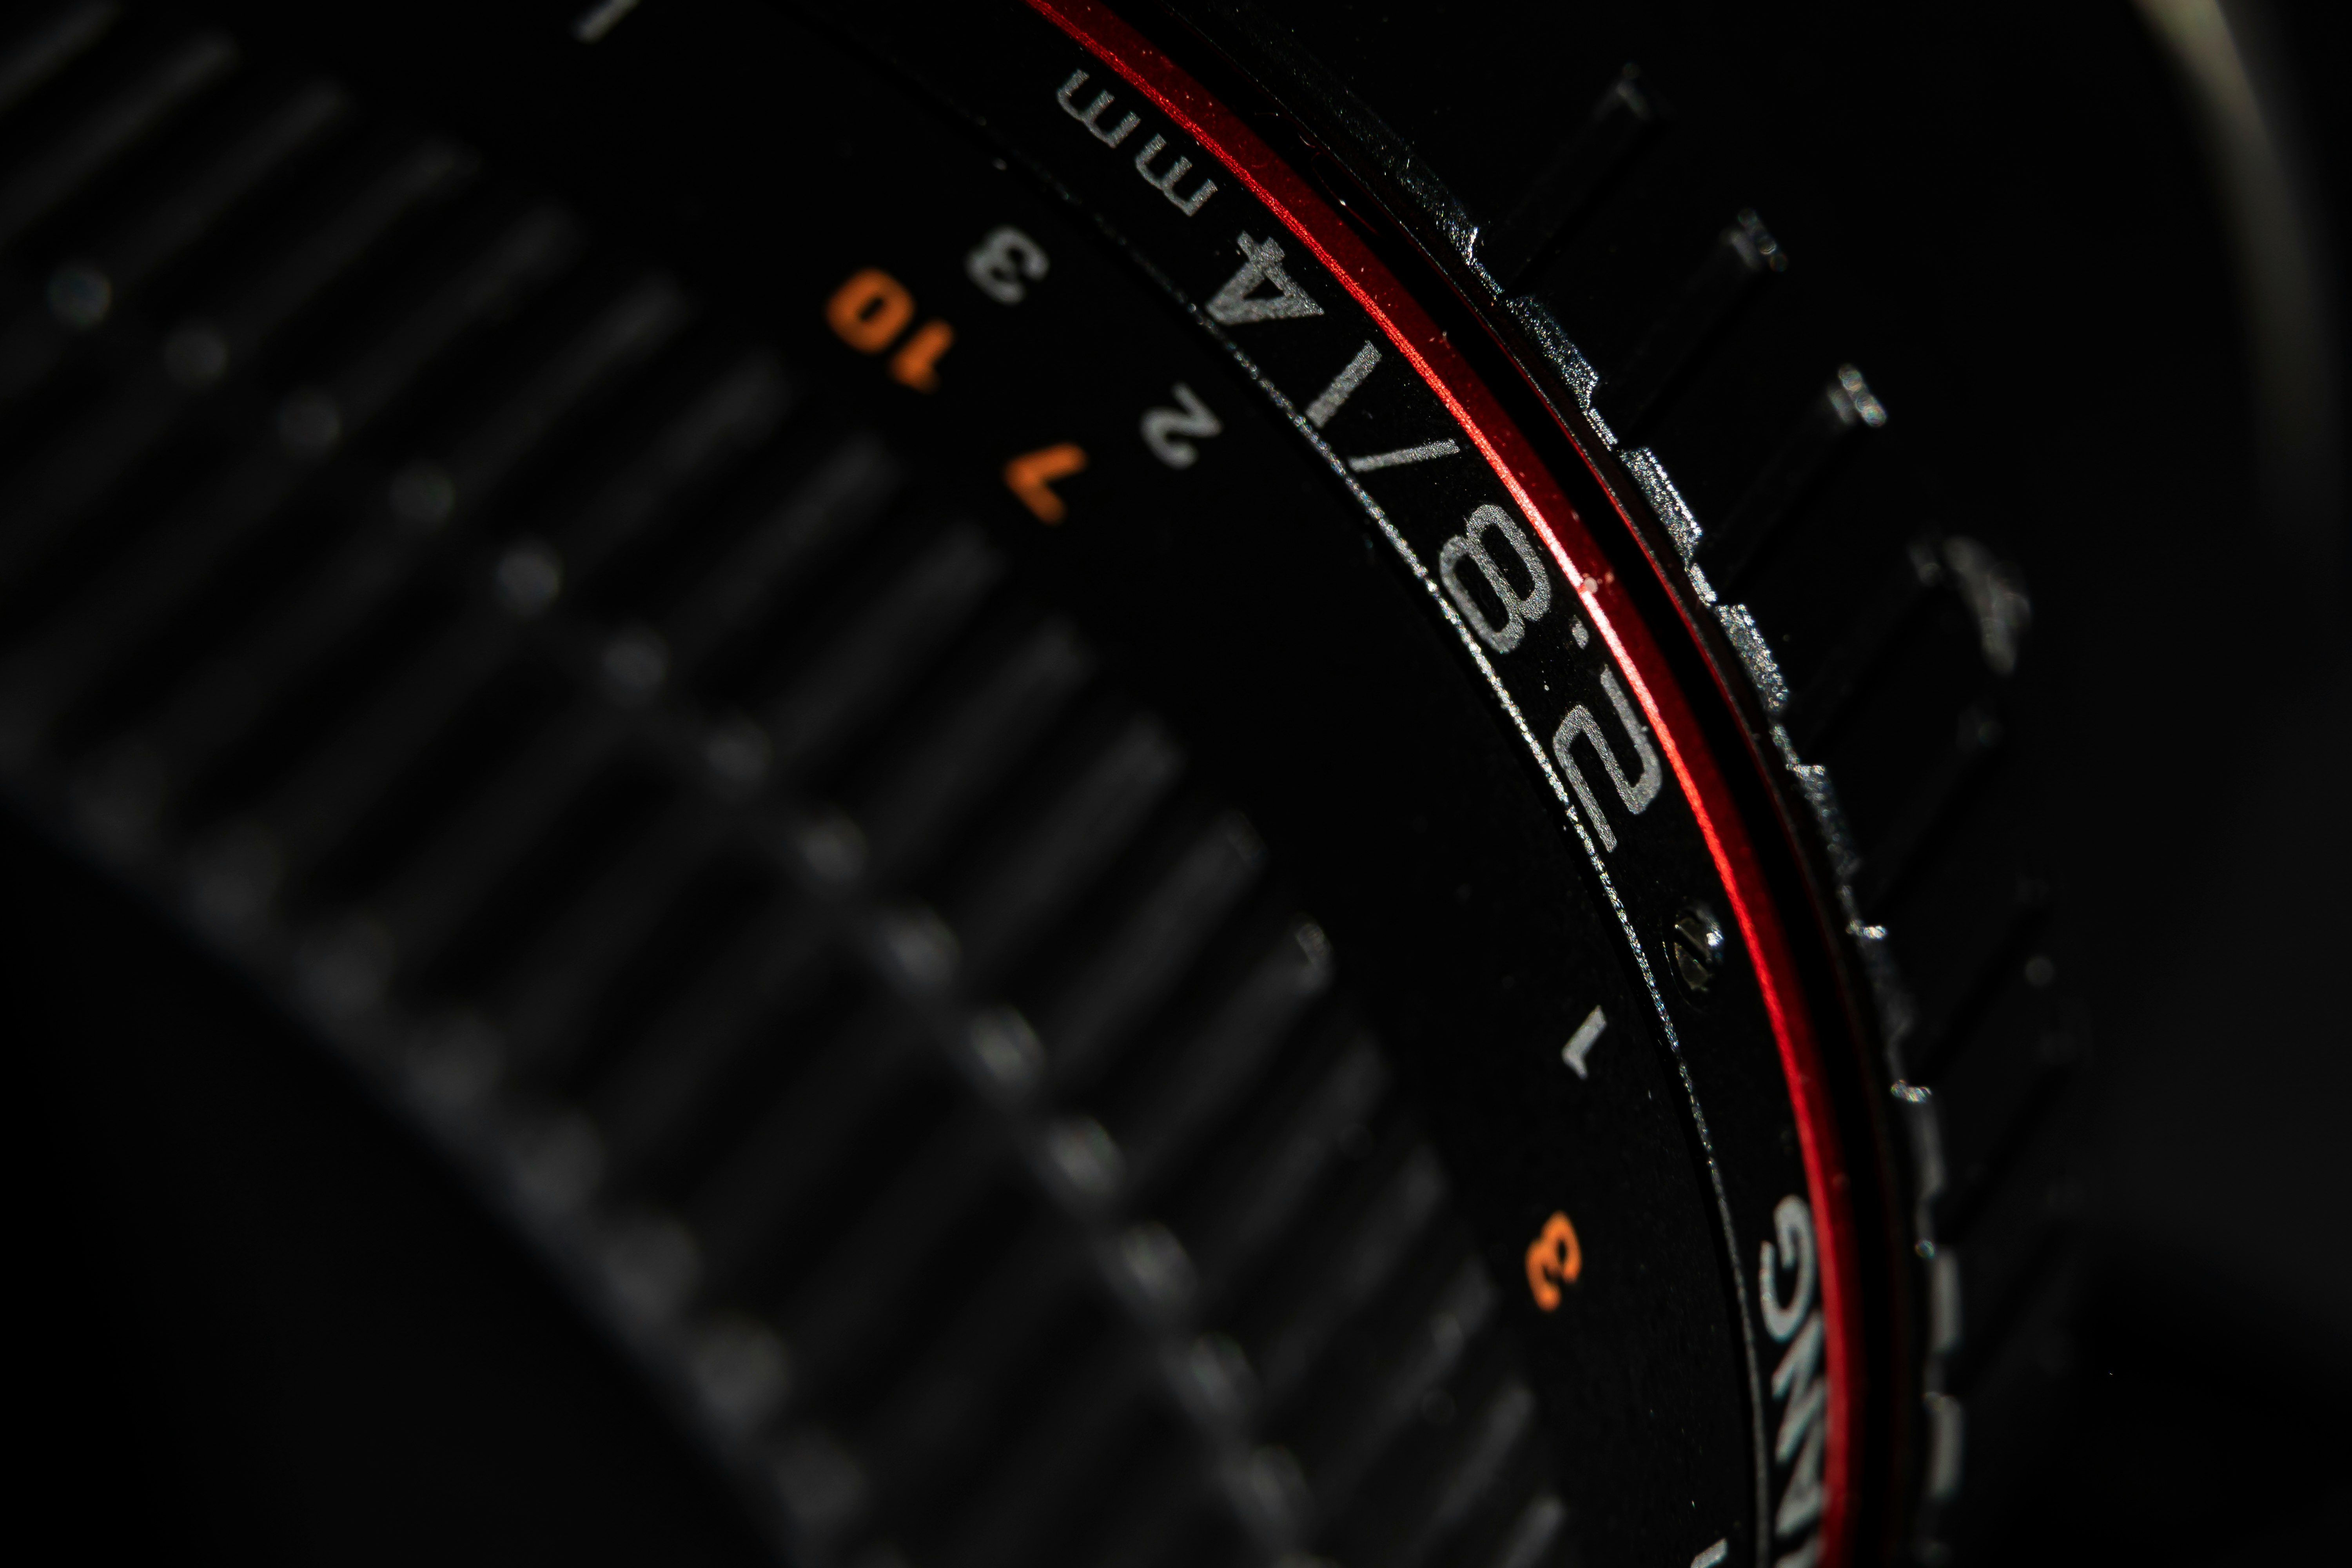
(265, 1321)
(2217, 1339)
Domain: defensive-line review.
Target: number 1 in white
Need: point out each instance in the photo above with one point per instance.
(1580, 1043)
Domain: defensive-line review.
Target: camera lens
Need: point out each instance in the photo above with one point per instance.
(1128, 835)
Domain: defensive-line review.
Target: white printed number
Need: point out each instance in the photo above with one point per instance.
(1519, 610)
(1500, 616)
(1004, 264)
(1164, 429)
(1636, 793)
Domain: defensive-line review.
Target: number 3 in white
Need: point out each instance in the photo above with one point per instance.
(1005, 263)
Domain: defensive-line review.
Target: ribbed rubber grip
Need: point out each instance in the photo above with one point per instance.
(659, 788)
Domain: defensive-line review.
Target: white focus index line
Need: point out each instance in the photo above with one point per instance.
(1712, 1555)
(1580, 1043)
(1403, 456)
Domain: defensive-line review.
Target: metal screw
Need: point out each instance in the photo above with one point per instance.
(1695, 946)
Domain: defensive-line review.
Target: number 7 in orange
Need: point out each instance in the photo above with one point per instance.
(1030, 477)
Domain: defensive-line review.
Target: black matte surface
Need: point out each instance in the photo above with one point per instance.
(264, 1324)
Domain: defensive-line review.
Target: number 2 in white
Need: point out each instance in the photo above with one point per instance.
(1635, 793)
(1164, 429)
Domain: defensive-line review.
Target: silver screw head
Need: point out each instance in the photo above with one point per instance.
(1694, 947)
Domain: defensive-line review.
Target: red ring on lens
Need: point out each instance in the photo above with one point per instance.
(1512, 457)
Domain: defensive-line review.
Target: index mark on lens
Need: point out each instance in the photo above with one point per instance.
(1580, 1043)
(1401, 456)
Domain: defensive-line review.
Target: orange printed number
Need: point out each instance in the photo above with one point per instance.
(871, 309)
(1030, 477)
(917, 363)
(1554, 1259)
